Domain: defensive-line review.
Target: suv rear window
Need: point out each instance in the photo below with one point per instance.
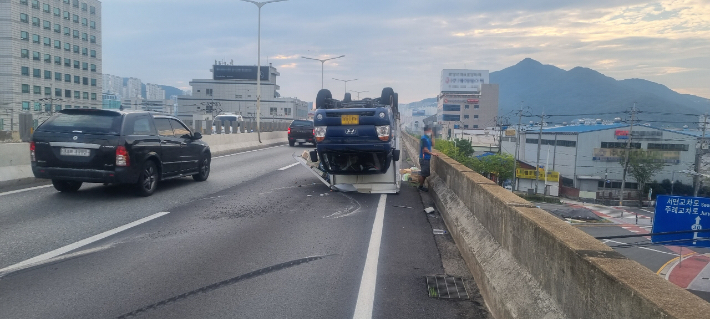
(301, 123)
(95, 122)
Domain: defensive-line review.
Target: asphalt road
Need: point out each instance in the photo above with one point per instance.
(260, 239)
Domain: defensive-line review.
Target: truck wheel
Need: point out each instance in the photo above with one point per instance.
(321, 98)
(348, 98)
(66, 186)
(387, 96)
(148, 179)
(396, 100)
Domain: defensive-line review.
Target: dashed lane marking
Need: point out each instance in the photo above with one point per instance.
(287, 167)
(261, 149)
(24, 190)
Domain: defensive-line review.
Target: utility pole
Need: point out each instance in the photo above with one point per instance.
(517, 145)
(626, 158)
(539, 145)
(698, 158)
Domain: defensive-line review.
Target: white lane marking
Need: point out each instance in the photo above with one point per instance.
(287, 167)
(366, 295)
(79, 244)
(651, 249)
(261, 149)
(24, 190)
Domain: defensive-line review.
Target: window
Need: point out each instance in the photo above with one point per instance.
(467, 106)
(67, 62)
(287, 111)
(66, 15)
(76, 49)
(47, 58)
(84, 51)
(93, 68)
(25, 54)
(25, 70)
(58, 92)
(66, 1)
(475, 126)
(47, 41)
(75, 3)
(77, 95)
(57, 28)
(451, 117)
(76, 64)
(475, 116)
(35, 56)
(58, 60)
(35, 4)
(93, 82)
(58, 107)
(84, 21)
(84, 37)
(208, 92)
(620, 145)
(85, 66)
(36, 89)
(179, 130)
(92, 10)
(67, 94)
(24, 36)
(93, 39)
(465, 116)
(57, 44)
(57, 12)
(85, 81)
(23, 2)
(92, 24)
(37, 73)
(35, 38)
(77, 79)
(75, 33)
(25, 104)
(452, 107)
(58, 76)
(75, 18)
(465, 126)
(67, 31)
(47, 90)
(273, 111)
(47, 75)
(83, 6)
(46, 8)
(668, 147)
(35, 22)
(93, 53)
(46, 25)
(552, 142)
(26, 89)
(67, 46)
(93, 96)
(475, 106)
(24, 18)
(38, 106)
(163, 127)
(67, 78)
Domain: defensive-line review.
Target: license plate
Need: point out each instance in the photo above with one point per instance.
(74, 152)
(349, 119)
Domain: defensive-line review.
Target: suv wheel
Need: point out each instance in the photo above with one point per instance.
(204, 169)
(66, 186)
(148, 180)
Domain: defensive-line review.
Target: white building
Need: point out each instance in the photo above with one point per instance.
(467, 101)
(112, 84)
(233, 90)
(588, 155)
(50, 57)
(133, 89)
(154, 92)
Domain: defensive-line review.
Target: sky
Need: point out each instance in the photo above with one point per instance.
(405, 44)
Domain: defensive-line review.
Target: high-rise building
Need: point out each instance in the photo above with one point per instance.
(154, 92)
(50, 57)
(132, 89)
(467, 101)
(112, 84)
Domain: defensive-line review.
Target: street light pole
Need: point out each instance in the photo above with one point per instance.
(258, 67)
(358, 93)
(346, 83)
(322, 65)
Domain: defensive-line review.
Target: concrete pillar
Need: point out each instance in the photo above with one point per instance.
(208, 127)
(26, 126)
(197, 126)
(218, 127)
(235, 127)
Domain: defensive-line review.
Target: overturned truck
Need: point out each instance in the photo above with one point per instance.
(357, 142)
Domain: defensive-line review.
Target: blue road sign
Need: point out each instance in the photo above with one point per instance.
(677, 213)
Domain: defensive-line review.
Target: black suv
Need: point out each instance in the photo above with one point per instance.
(301, 131)
(106, 146)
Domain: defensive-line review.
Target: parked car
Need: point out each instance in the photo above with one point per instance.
(301, 131)
(79, 146)
(356, 137)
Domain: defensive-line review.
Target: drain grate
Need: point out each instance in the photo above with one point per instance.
(446, 287)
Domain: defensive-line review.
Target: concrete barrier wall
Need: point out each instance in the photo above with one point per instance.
(15, 157)
(530, 264)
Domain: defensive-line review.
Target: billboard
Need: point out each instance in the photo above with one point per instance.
(615, 155)
(239, 72)
(456, 80)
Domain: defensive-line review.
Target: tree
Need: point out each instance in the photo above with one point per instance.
(643, 165)
(499, 164)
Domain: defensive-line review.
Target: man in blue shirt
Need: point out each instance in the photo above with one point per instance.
(425, 152)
